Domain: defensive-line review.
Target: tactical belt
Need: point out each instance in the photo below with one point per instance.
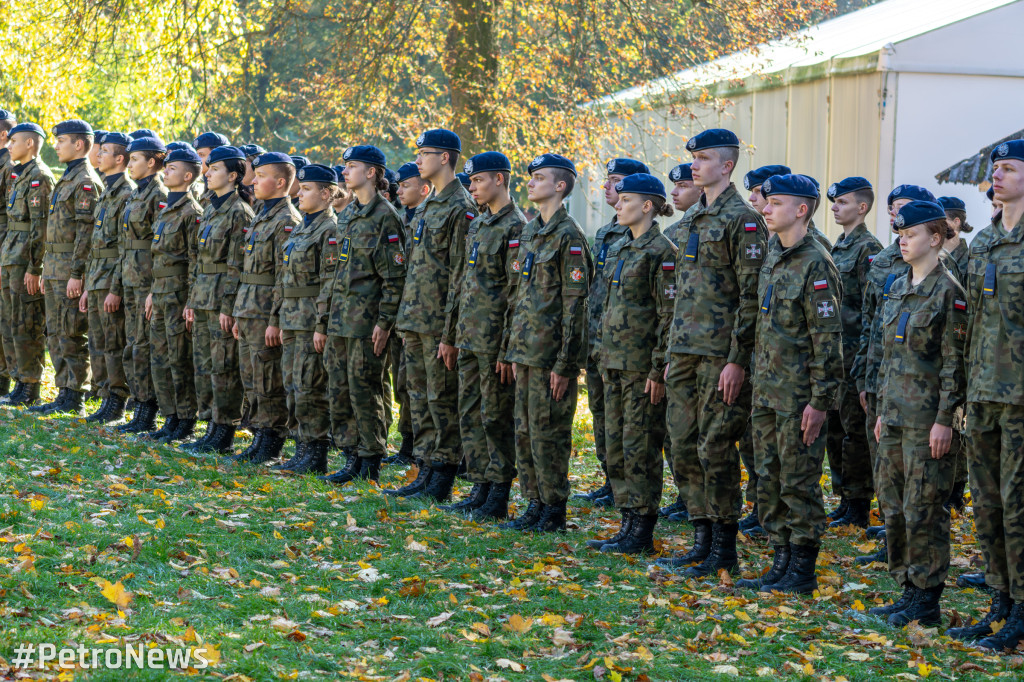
(212, 268)
(105, 253)
(300, 292)
(170, 271)
(19, 227)
(139, 244)
(262, 280)
(60, 248)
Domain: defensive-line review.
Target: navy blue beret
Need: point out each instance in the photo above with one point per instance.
(98, 135)
(210, 139)
(847, 185)
(26, 128)
(146, 144)
(952, 204)
(179, 144)
(74, 126)
(1014, 149)
(299, 161)
(439, 138)
(366, 153)
(641, 183)
(990, 193)
(755, 177)
(814, 182)
(391, 176)
(626, 167)
(339, 170)
(408, 170)
(464, 179)
(791, 184)
(272, 157)
(143, 132)
(252, 150)
(917, 212)
(187, 155)
(317, 172)
(709, 139)
(486, 162)
(550, 160)
(117, 138)
(224, 153)
(6, 115)
(680, 173)
(913, 192)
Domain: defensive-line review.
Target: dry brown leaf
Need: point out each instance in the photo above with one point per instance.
(438, 619)
(518, 624)
(511, 665)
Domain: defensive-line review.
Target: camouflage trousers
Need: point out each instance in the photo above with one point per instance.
(264, 365)
(434, 401)
(704, 431)
(106, 346)
(66, 329)
(635, 430)
(995, 441)
(746, 447)
(543, 435)
(245, 375)
(355, 386)
(218, 361)
(486, 419)
(595, 401)
(911, 490)
(136, 350)
(790, 503)
(857, 476)
(870, 417)
(24, 325)
(170, 359)
(398, 391)
(305, 387)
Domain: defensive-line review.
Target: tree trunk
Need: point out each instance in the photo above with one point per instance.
(471, 64)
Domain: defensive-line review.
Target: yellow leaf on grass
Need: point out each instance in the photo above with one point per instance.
(115, 592)
(858, 656)
(742, 615)
(858, 605)
(726, 670)
(645, 654)
(517, 623)
(925, 669)
(209, 652)
(37, 504)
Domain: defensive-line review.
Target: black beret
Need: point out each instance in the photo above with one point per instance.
(74, 126)
(439, 138)
(791, 184)
(179, 144)
(626, 167)
(755, 177)
(913, 192)
(486, 162)
(317, 172)
(26, 128)
(1014, 149)
(143, 132)
(917, 212)
(98, 135)
(224, 153)
(952, 204)
(299, 161)
(122, 139)
(464, 179)
(272, 157)
(252, 150)
(188, 155)
(550, 160)
(210, 139)
(6, 115)
(407, 170)
(847, 185)
(146, 144)
(366, 153)
(709, 139)
(680, 173)
(641, 183)
(990, 193)
(339, 170)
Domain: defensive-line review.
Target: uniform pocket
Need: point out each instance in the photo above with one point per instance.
(545, 269)
(924, 338)
(713, 249)
(267, 370)
(311, 373)
(787, 305)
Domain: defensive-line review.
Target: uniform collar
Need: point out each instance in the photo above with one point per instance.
(719, 203)
(111, 180)
(72, 166)
(217, 201)
(491, 218)
(1014, 236)
(960, 250)
(807, 241)
(926, 287)
(362, 210)
(644, 239)
(4, 151)
(447, 191)
(174, 198)
(848, 240)
(546, 228)
(269, 204)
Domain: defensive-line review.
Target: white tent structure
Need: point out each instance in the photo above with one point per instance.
(895, 92)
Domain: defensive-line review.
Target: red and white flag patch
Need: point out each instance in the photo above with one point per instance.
(35, 183)
(392, 238)
(332, 241)
(820, 284)
(575, 250)
(959, 305)
(469, 216)
(668, 265)
(87, 188)
(161, 205)
(513, 243)
(750, 227)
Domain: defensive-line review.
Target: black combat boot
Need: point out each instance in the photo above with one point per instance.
(349, 471)
(143, 420)
(315, 461)
(697, 554)
(678, 506)
(170, 424)
(100, 414)
(419, 483)
(1010, 634)
(627, 518)
(182, 430)
(198, 443)
(875, 531)
(297, 460)
(5, 386)
(924, 609)
(495, 507)
(956, 498)
(439, 487)
(722, 554)
(246, 455)
(74, 404)
(247, 412)
(998, 611)
(750, 520)
(404, 454)
(369, 468)
(905, 600)
(881, 555)
(15, 394)
(857, 514)
(800, 575)
(221, 440)
(529, 517)
(639, 540)
(40, 408)
(551, 520)
(780, 562)
(115, 408)
(840, 511)
(475, 499)
(604, 491)
(972, 580)
(270, 447)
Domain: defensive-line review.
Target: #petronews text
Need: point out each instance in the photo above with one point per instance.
(138, 656)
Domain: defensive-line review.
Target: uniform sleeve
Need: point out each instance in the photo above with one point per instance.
(452, 304)
(391, 268)
(577, 270)
(116, 286)
(952, 374)
(868, 310)
(664, 291)
(280, 237)
(511, 290)
(460, 220)
(825, 327)
(85, 199)
(38, 213)
(749, 238)
(869, 251)
(235, 260)
(328, 266)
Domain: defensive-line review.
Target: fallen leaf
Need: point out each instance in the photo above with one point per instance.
(438, 619)
(511, 665)
(517, 623)
(726, 670)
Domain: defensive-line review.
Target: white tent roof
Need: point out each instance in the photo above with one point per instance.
(863, 32)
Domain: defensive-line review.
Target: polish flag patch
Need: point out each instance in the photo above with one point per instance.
(392, 238)
(287, 228)
(960, 305)
(87, 188)
(513, 243)
(332, 241)
(35, 183)
(871, 259)
(820, 284)
(750, 227)
(575, 250)
(469, 216)
(668, 265)
(161, 205)
(14, 176)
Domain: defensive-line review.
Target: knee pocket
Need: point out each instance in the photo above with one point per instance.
(311, 369)
(267, 370)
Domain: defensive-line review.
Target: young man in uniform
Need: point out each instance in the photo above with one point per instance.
(606, 236)
(547, 342)
(798, 371)
(710, 345)
(8, 360)
(435, 264)
(100, 300)
(68, 242)
(29, 186)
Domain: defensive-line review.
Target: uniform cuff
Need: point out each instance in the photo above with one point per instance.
(563, 369)
(944, 418)
(821, 404)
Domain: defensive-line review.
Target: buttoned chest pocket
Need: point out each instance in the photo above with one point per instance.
(62, 198)
(848, 276)
(713, 249)
(17, 205)
(924, 331)
(635, 280)
(486, 258)
(361, 252)
(301, 257)
(436, 237)
(1010, 283)
(976, 266)
(545, 269)
(788, 306)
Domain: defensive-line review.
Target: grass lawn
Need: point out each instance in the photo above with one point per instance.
(108, 542)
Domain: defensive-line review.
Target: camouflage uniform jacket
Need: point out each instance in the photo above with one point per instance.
(28, 198)
(798, 356)
(436, 262)
(921, 377)
(104, 256)
(852, 255)
(995, 297)
(483, 304)
(818, 235)
(220, 252)
(136, 241)
(603, 241)
(310, 255)
(366, 289)
(552, 269)
(175, 237)
(263, 256)
(5, 181)
(956, 261)
(639, 302)
(673, 231)
(885, 268)
(721, 249)
(69, 229)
